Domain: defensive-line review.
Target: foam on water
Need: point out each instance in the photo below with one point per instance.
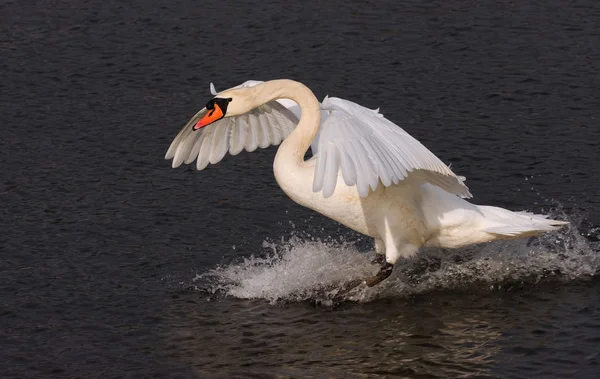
(304, 269)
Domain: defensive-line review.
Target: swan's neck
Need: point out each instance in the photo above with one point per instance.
(293, 175)
(294, 147)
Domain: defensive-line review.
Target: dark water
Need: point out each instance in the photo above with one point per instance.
(115, 265)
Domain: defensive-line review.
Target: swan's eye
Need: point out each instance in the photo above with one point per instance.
(210, 105)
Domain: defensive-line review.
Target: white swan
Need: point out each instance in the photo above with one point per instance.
(366, 172)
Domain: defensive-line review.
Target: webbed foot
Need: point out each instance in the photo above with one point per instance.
(384, 273)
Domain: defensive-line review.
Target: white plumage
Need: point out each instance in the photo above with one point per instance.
(261, 127)
(366, 172)
(360, 142)
(369, 148)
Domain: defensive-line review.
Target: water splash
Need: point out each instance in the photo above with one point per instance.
(308, 269)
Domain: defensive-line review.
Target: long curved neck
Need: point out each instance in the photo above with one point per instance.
(294, 147)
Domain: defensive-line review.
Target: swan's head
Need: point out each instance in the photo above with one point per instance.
(229, 103)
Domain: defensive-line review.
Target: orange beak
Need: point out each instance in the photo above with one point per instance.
(211, 116)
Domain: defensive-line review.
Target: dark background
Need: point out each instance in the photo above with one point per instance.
(100, 239)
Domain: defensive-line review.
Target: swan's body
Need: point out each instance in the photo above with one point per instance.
(366, 172)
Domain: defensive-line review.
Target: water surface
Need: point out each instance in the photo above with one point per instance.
(115, 265)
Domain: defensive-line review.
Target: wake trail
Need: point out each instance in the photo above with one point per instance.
(304, 269)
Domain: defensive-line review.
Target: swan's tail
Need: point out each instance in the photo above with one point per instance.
(508, 224)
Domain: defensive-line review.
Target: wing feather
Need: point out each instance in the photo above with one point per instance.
(369, 149)
(331, 171)
(220, 143)
(266, 125)
(205, 149)
(253, 125)
(262, 130)
(385, 168)
(363, 168)
(372, 164)
(184, 149)
(361, 143)
(184, 133)
(195, 150)
(238, 136)
(348, 169)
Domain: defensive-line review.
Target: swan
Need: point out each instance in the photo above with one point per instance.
(366, 172)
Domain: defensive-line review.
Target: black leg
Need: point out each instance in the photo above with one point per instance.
(384, 272)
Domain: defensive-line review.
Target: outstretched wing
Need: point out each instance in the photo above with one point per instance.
(266, 125)
(369, 148)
